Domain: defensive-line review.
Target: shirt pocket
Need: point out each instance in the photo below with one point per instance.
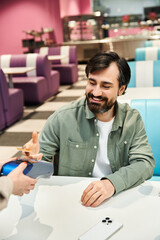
(122, 153)
(74, 155)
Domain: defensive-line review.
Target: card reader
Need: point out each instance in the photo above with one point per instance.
(39, 169)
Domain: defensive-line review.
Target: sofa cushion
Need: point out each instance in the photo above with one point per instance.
(35, 88)
(16, 103)
(2, 116)
(12, 101)
(150, 112)
(68, 73)
(54, 82)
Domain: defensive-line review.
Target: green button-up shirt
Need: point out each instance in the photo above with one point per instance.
(72, 133)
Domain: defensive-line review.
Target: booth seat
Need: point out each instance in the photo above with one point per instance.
(11, 103)
(152, 43)
(150, 112)
(67, 66)
(144, 73)
(38, 84)
(147, 53)
(2, 117)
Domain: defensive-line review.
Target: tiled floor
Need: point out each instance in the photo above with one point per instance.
(35, 117)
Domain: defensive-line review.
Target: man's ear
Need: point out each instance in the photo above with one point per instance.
(121, 90)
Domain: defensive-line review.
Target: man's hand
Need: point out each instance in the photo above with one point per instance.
(33, 158)
(32, 145)
(97, 192)
(21, 183)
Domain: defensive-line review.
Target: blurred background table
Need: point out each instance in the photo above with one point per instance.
(15, 70)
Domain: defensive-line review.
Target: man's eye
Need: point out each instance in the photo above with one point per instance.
(107, 87)
(92, 83)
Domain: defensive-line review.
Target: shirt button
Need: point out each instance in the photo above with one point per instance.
(95, 120)
(95, 147)
(90, 173)
(92, 160)
(77, 146)
(97, 134)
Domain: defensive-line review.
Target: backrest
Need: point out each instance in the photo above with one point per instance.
(144, 74)
(150, 112)
(4, 98)
(152, 43)
(147, 53)
(40, 62)
(70, 53)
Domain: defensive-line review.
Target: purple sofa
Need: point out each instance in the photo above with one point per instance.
(37, 85)
(68, 66)
(12, 101)
(2, 117)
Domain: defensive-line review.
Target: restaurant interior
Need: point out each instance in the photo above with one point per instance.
(44, 48)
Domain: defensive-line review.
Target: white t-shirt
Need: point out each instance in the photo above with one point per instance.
(102, 165)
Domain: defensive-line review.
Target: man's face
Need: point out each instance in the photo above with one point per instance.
(102, 89)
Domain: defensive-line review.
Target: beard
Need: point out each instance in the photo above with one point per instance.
(102, 107)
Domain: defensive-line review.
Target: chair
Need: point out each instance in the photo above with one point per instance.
(150, 112)
(11, 102)
(152, 43)
(147, 53)
(2, 117)
(67, 66)
(144, 74)
(37, 85)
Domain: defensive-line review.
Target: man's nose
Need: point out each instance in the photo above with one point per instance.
(97, 91)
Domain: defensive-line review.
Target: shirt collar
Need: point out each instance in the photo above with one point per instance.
(119, 117)
(89, 114)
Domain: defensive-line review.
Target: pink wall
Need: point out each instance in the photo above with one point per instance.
(75, 7)
(19, 15)
(85, 6)
(69, 8)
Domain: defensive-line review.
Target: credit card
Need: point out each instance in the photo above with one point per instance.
(24, 149)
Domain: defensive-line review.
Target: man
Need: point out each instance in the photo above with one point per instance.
(98, 137)
(14, 183)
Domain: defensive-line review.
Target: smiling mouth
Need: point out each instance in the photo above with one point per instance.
(95, 100)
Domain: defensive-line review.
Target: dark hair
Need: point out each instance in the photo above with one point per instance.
(103, 60)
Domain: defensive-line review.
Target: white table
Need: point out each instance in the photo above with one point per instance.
(56, 57)
(53, 211)
(140, 93)
(15, 70)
